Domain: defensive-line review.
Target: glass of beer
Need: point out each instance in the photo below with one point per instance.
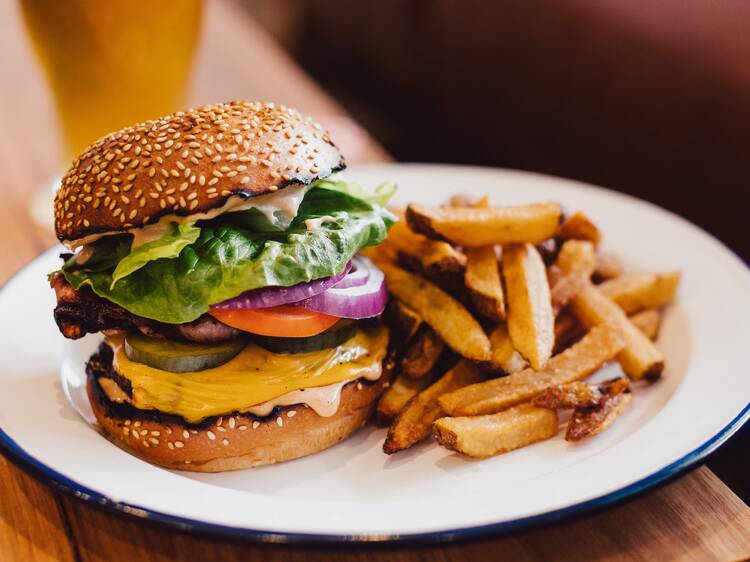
(112, 64)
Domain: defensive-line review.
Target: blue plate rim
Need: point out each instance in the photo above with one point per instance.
(45, 474)
(62, 483)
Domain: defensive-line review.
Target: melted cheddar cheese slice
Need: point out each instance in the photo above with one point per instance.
(253, 377)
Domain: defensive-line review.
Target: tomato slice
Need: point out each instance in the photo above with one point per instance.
(277, 321)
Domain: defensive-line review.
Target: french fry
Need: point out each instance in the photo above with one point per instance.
(615, 386)
(482, 280)
(639, 358)
(575, 363)
(395, 397)
(634, 292)
(564, 290)
(576, 257)
(567, 330)
(382, 253)
(448, 317)
(422, 353)
(483, 202)
(553, 275)
(404, 322)
(413, 423)
(459, 200)
(647, 321)
(580, 394)
(435, 257)
(572, 395)
(579, 227)
(607, 267)
(590, 421)
(484, 436)
(531, 323)
(578, 260)
(504, 357)
(462, 200)
(548, 250)
(471, 227)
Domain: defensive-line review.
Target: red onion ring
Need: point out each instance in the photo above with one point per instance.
(357, 276)
(363, 301)
(266, 297)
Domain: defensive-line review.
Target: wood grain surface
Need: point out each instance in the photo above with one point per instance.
(694, 518)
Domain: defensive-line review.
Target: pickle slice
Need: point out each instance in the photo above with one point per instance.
(179, 357)
(332, 337)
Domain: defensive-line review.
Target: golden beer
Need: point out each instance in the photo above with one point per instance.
(112, 63)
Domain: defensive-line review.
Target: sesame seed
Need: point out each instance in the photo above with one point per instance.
(211, 435)
(164, 148)
(256, 424)
(242, 427)
(185, 434)
(179, 444)
(153, 440)
(231, 423)
(291, 413)
(170, 445)
(225, 442)
(279, 421)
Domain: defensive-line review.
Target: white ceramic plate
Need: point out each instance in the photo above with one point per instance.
(355, 492)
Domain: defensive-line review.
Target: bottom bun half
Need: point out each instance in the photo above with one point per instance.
(235, 441)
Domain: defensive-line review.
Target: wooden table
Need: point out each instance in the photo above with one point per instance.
(694, 518)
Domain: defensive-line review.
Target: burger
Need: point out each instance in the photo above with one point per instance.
(216, 250)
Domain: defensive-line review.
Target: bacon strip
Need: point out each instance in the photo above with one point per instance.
(81, 312)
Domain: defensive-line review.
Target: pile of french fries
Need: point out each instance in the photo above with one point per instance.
(499, 315)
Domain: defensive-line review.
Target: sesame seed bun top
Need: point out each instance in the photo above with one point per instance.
(187, 163)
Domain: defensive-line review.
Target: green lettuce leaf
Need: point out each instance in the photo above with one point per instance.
(168, 246)
(228, 259)
(379, 196)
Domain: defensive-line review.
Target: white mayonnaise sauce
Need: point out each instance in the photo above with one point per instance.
(312, 224)
(286, 201)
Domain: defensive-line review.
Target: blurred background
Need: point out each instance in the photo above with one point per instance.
(650, 98)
